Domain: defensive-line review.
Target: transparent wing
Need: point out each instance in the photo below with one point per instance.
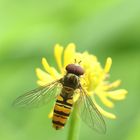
(39, 96)
(89, 113)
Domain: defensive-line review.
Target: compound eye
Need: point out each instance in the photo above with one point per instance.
(79, 70)
(70, 67)
(73, 68)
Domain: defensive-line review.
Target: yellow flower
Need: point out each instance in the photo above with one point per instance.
(94, 81)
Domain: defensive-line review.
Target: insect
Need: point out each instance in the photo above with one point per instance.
(64, 90)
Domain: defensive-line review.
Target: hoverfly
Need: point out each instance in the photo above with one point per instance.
(63, 90)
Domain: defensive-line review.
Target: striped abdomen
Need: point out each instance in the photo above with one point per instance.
(62, 108)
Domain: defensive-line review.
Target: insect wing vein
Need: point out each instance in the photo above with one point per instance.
(89, 113)
(38, 96)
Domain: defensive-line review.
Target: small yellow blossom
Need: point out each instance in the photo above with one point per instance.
(94, 81)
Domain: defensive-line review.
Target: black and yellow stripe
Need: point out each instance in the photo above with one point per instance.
(62, 108)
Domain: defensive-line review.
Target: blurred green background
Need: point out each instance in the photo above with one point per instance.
(28, 31)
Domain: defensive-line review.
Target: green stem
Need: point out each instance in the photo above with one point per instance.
(74, 128)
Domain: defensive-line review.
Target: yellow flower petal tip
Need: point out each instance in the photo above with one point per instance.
(37, 70)
(116, 83)
(44, 62)
(58, 50)
(45, 65)
(50, 114)
(108, 64)
(112, 116)
(69, 54)
(76, 97)
(105, 113)
(72, 45)
(93, 81)
(38, 73)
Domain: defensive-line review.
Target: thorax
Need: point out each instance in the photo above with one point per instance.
(71, 81)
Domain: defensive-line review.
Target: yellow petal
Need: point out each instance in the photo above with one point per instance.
(117, 94)
(105, 113)
(50, 114)
(102, 111)
(56, 74)
(58, 50)
(52, 71)
(43, 76)
(46, 66)
(111, 85)
(108, 65)
(69, 54)
(105, 100)
(76, 96)
(42, 83)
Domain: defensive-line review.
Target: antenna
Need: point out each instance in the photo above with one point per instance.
(75, 61)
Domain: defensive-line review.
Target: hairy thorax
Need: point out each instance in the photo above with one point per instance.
(71, 80)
